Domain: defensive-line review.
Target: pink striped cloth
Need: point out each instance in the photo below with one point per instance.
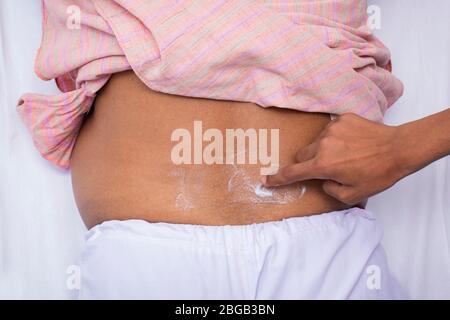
(307, 55)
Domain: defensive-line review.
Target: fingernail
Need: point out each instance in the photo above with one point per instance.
(263, 180)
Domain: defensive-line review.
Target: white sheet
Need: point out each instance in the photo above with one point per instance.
(41, 233)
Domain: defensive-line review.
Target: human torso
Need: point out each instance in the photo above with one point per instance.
(123, 166)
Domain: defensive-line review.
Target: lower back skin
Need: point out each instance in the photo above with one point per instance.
(122, 166)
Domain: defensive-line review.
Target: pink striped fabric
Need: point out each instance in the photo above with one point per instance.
(307, 55)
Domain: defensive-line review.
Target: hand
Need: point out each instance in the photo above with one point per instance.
(356, 157)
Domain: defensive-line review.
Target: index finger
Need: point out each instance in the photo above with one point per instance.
(293, 173)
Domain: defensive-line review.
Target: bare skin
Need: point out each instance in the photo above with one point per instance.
(358, 158)
(122, 168)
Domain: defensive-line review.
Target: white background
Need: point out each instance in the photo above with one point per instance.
(41, 233)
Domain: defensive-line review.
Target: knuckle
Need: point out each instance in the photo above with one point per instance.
(325, 141)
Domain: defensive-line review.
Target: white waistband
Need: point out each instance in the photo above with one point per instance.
(261, 232)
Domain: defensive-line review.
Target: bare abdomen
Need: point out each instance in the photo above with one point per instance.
(122, 166)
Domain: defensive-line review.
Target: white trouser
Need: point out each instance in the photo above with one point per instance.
(334, 255)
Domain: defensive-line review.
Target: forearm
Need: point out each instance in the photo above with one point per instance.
(423, 141)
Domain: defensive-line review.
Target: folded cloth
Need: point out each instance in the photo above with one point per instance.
(306, 55)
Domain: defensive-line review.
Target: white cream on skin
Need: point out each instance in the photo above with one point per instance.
(182, 200)
(243, 188)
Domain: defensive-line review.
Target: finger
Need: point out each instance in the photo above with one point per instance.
(339, 191)
(290, 174)
(306, 153)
